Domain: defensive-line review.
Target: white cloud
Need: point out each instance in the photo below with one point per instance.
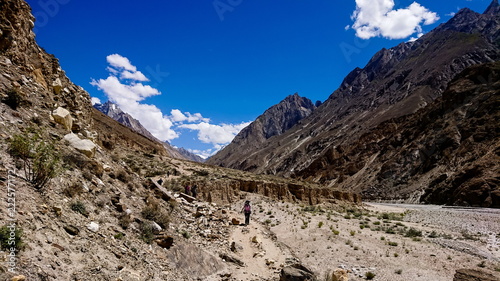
(118, 61)
(95, 101)
(374, 18)
(137, 76)
(177, 116)
(452, 14)
(123, 87)
(216, 134)
(128, 95)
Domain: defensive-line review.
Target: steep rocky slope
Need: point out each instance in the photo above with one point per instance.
(395, 82)
(273, 122)
(447, 152)
(102, 214)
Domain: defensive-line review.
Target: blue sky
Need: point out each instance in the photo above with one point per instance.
(195, 72)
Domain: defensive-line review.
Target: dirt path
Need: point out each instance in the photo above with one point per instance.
(257, 248)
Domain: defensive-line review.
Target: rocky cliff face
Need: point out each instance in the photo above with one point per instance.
(273, 122)
(395, 82)
(446, 153)
(33, 74)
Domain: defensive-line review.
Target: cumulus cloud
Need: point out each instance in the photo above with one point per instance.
(117, 61)
(216, 134)
(177, 116)
(124, 86)
(374, 18)
(95, 101)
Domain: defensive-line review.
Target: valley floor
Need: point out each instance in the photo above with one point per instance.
(394, 242)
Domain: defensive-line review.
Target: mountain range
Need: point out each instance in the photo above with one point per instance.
(112, 110)
(326, 146)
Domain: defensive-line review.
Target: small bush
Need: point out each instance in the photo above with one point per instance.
(40, 161)
(79, 207)
(399, 271)
(369, 275)
(412, 232)
(155, 213)
(11, 238)
(320, 224)
(119, 236)
(186, 234)
(394, 244)
(147, 232)
(352, 232)
(433, 234)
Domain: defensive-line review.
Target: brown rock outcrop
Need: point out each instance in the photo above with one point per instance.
(474, 275)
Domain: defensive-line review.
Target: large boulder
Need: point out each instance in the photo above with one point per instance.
(474, 275)
(85, 146)
(57, 86)
(296, 272)
(63, 117)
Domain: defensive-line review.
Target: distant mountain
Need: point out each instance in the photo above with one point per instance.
(396, 82)
(112, 110)
(188, 155)
(273, 122)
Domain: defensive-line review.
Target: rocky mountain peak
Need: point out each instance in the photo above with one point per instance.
(273, 122)
(493, 8)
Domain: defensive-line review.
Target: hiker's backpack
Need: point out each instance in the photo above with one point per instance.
(247, 208)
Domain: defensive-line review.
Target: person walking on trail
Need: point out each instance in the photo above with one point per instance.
(187, 190)
(194, 190)
(247, 210)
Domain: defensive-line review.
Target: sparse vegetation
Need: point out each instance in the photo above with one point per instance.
(79, 207)
(154, 212)
(40, 160)
(412, 232)
(391, 243)
(369, 275)
(11, 237)
(147, 234)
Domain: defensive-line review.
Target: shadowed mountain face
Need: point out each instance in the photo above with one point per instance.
(395, 82)
(447, 152)
(274, 122)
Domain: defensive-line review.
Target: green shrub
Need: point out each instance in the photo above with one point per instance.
(369, 275)
(412, 232)
(11, 238)
(79, 207)
(320, 224)
(147, 232)
(394, 244)
(154, 212)
(40, 161)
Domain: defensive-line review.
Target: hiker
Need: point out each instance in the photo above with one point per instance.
(194, 190)
(247, 210)
(187, 190)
